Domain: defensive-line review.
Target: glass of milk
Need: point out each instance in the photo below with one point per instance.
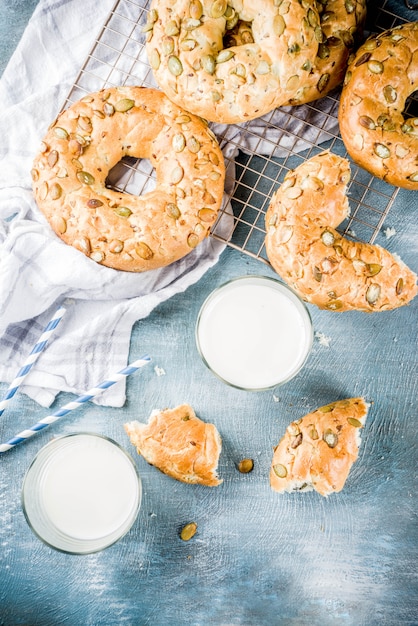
(254, 333)
(81, 493)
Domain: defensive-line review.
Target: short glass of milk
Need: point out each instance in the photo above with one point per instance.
(81, 493)
(254, 333)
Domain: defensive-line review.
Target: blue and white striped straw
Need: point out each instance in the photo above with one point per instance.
(75, 404)
(33, 356)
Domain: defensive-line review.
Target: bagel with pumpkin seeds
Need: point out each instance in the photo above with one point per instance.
(380, 78)
(116, 229)
(322, 266)
(318, 450)
(185, 47)
(342, 24)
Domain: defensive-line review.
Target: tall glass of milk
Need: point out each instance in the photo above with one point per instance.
(81, 493)
(254, 333)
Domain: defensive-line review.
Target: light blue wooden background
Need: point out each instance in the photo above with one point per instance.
(258, 558)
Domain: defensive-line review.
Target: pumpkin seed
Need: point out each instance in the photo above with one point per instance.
(172, 210)
(323, 82)
(327, 238)
(323, 51)
(350, 6)
(317, 274)
(206, 215)
(188, 44)
(84, 245)
(124, 105)
(292, 83)
(279, 25)
(381, 150)
(59, 224)
(354, 422)
(413, 177)
(97, 256)
(313, 433)
(154, 59)
(61, 133)
(370, 44)
(399, 287)
(52, 158)
(284, 234)
(216, 96)
(327, 408)
(390, 94)
(280, 470)
(225, 55)
(177, 175)
(373, 293)
(171, 28)
(335, 305)
(296, 441)
(123, 211)
(34, 174)
(108, 108)
(218, 8)
(193, 145)
(262, 68)
(116, 246)
(55, 191)
(208, 63)
(85, 178)
(192, 240)
(85, 124)
(376, 67)
(190, 24)
(245, 466)
(94, 203)
(43, 191)
(175, 66)
(196, 9)
(178, 142)
(330, 438)
(144, 251)
(374, 268)
(363, 59)
(188, 531)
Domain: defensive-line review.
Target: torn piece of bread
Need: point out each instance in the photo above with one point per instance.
(318, 450)
(179, 444)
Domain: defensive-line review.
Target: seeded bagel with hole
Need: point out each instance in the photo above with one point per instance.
(318, 450)
(380, 78)
(185, 47)
(322, 266)
(120, 230)
(342, 24)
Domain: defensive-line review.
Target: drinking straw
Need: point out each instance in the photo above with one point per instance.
(33, 356)
(71, 406)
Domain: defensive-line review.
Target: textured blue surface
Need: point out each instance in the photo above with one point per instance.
(258, 559)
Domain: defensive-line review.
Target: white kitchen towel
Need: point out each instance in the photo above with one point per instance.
(37, 271)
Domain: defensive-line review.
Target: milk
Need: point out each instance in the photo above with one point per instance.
(88, 490)
(254, 333)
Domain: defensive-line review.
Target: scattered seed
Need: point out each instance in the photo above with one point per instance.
(171, 28)
(218, 8)
(177, 175)
(55, 191)
(207, 215)
(85, 124)
(225, 55)
(245, 466)
(327, 238)
(323, 82)
(413, 177)
(376, 67)
(313, 433)
(52, 158)
(94, 203)
(279, 25)
(123, 211)
(363, 59)
(399, 287)
(116, 246)
(192, 240)
(381, 150)
(196, 9)
(390, 94)
(61, 133)
(108, 108)
(175, 66)
(84, 245)
(193, 145)
(374, 268)
(59, 224)
(296, 441)
(208, 63)
(85, 178)
(124, 105)
(154, 60)
(327, 408)
(97, 256)
(172, 210)
(188, 531)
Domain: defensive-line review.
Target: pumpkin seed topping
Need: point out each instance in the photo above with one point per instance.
(116, 246)
(192, 240)
(218, 8)
(196, 9)
(52, 158)
(179, 142)
(94, 203)
(373, 293)
(85, 178)
(154, 59)
(172, 210)
(381, 150)
(207, 215)
(193, 145)
(124, 105)
(123, 211)
(144, 251)
(61, 133)
(175, 66)
(208, 63)
(177, 175)
(330, 438)
(280, 470)
(55, 191)
(171, 28)
(376, 67)
(390, 94)
(354, 422)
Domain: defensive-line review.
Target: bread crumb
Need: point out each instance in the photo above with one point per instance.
(159, 371)
(389, 232)
(323, 339)
(276, 398)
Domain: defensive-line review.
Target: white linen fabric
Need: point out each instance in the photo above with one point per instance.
(37, 271)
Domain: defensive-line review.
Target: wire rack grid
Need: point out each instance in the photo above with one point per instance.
(258, 154)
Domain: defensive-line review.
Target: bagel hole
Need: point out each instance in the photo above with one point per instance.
(411, 106)
(132, 176)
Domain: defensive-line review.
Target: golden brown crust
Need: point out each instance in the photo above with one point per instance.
(179, 444)
(318, 451)
(342, 24)
(185, 46)
(120, 230)
(323, 267)
(379, 79)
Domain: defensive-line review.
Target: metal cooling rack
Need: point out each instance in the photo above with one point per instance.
(258, 154)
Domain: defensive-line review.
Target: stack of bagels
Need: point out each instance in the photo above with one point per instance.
(231, 61)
